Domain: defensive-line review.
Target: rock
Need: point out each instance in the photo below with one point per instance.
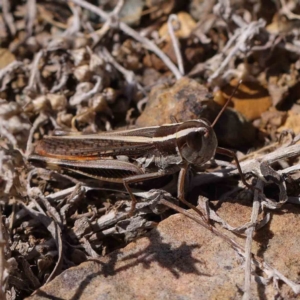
(181, 260)
(185, 100)
(291, 123)
(187, 25)
(251, 99)
(188, 100)
(6, 57)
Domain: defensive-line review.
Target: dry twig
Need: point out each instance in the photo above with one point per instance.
(2, 260)
(249, 233)
(175, 42)
(241, 37)
(129, 31)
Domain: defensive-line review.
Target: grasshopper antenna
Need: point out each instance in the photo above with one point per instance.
(228, 152)
(226, 104)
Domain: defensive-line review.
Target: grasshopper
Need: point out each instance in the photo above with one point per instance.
(135, 155)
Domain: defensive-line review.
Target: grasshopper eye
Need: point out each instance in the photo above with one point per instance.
(192, 146)
(196, 144)
(194, 140)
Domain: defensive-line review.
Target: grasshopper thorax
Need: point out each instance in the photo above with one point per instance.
(196, 141)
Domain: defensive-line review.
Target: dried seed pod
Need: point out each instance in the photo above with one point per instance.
(58, 102)
(97, 64)
(81, 93)
(21, 81)
(32, 44)
(9, 109)
(80, 42)
(64, 119)
(110, 95)
(129, 55)
(79, 56)
(38, 104)
(85, 115)
(3, 95)
(59, 43)
(49, 70)
(133, 62)
(99, 104)
(83, 73)
(84, 87)
(16, 125)
(160, 7)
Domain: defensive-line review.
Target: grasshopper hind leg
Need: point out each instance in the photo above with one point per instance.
(181, 193)
(144, 177)
(139, 178)
(135, 179)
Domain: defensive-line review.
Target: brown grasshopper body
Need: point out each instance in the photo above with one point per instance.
(134, 155)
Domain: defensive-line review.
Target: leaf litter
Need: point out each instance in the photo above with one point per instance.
(90, 66)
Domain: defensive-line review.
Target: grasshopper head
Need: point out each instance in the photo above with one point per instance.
(196, 141)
